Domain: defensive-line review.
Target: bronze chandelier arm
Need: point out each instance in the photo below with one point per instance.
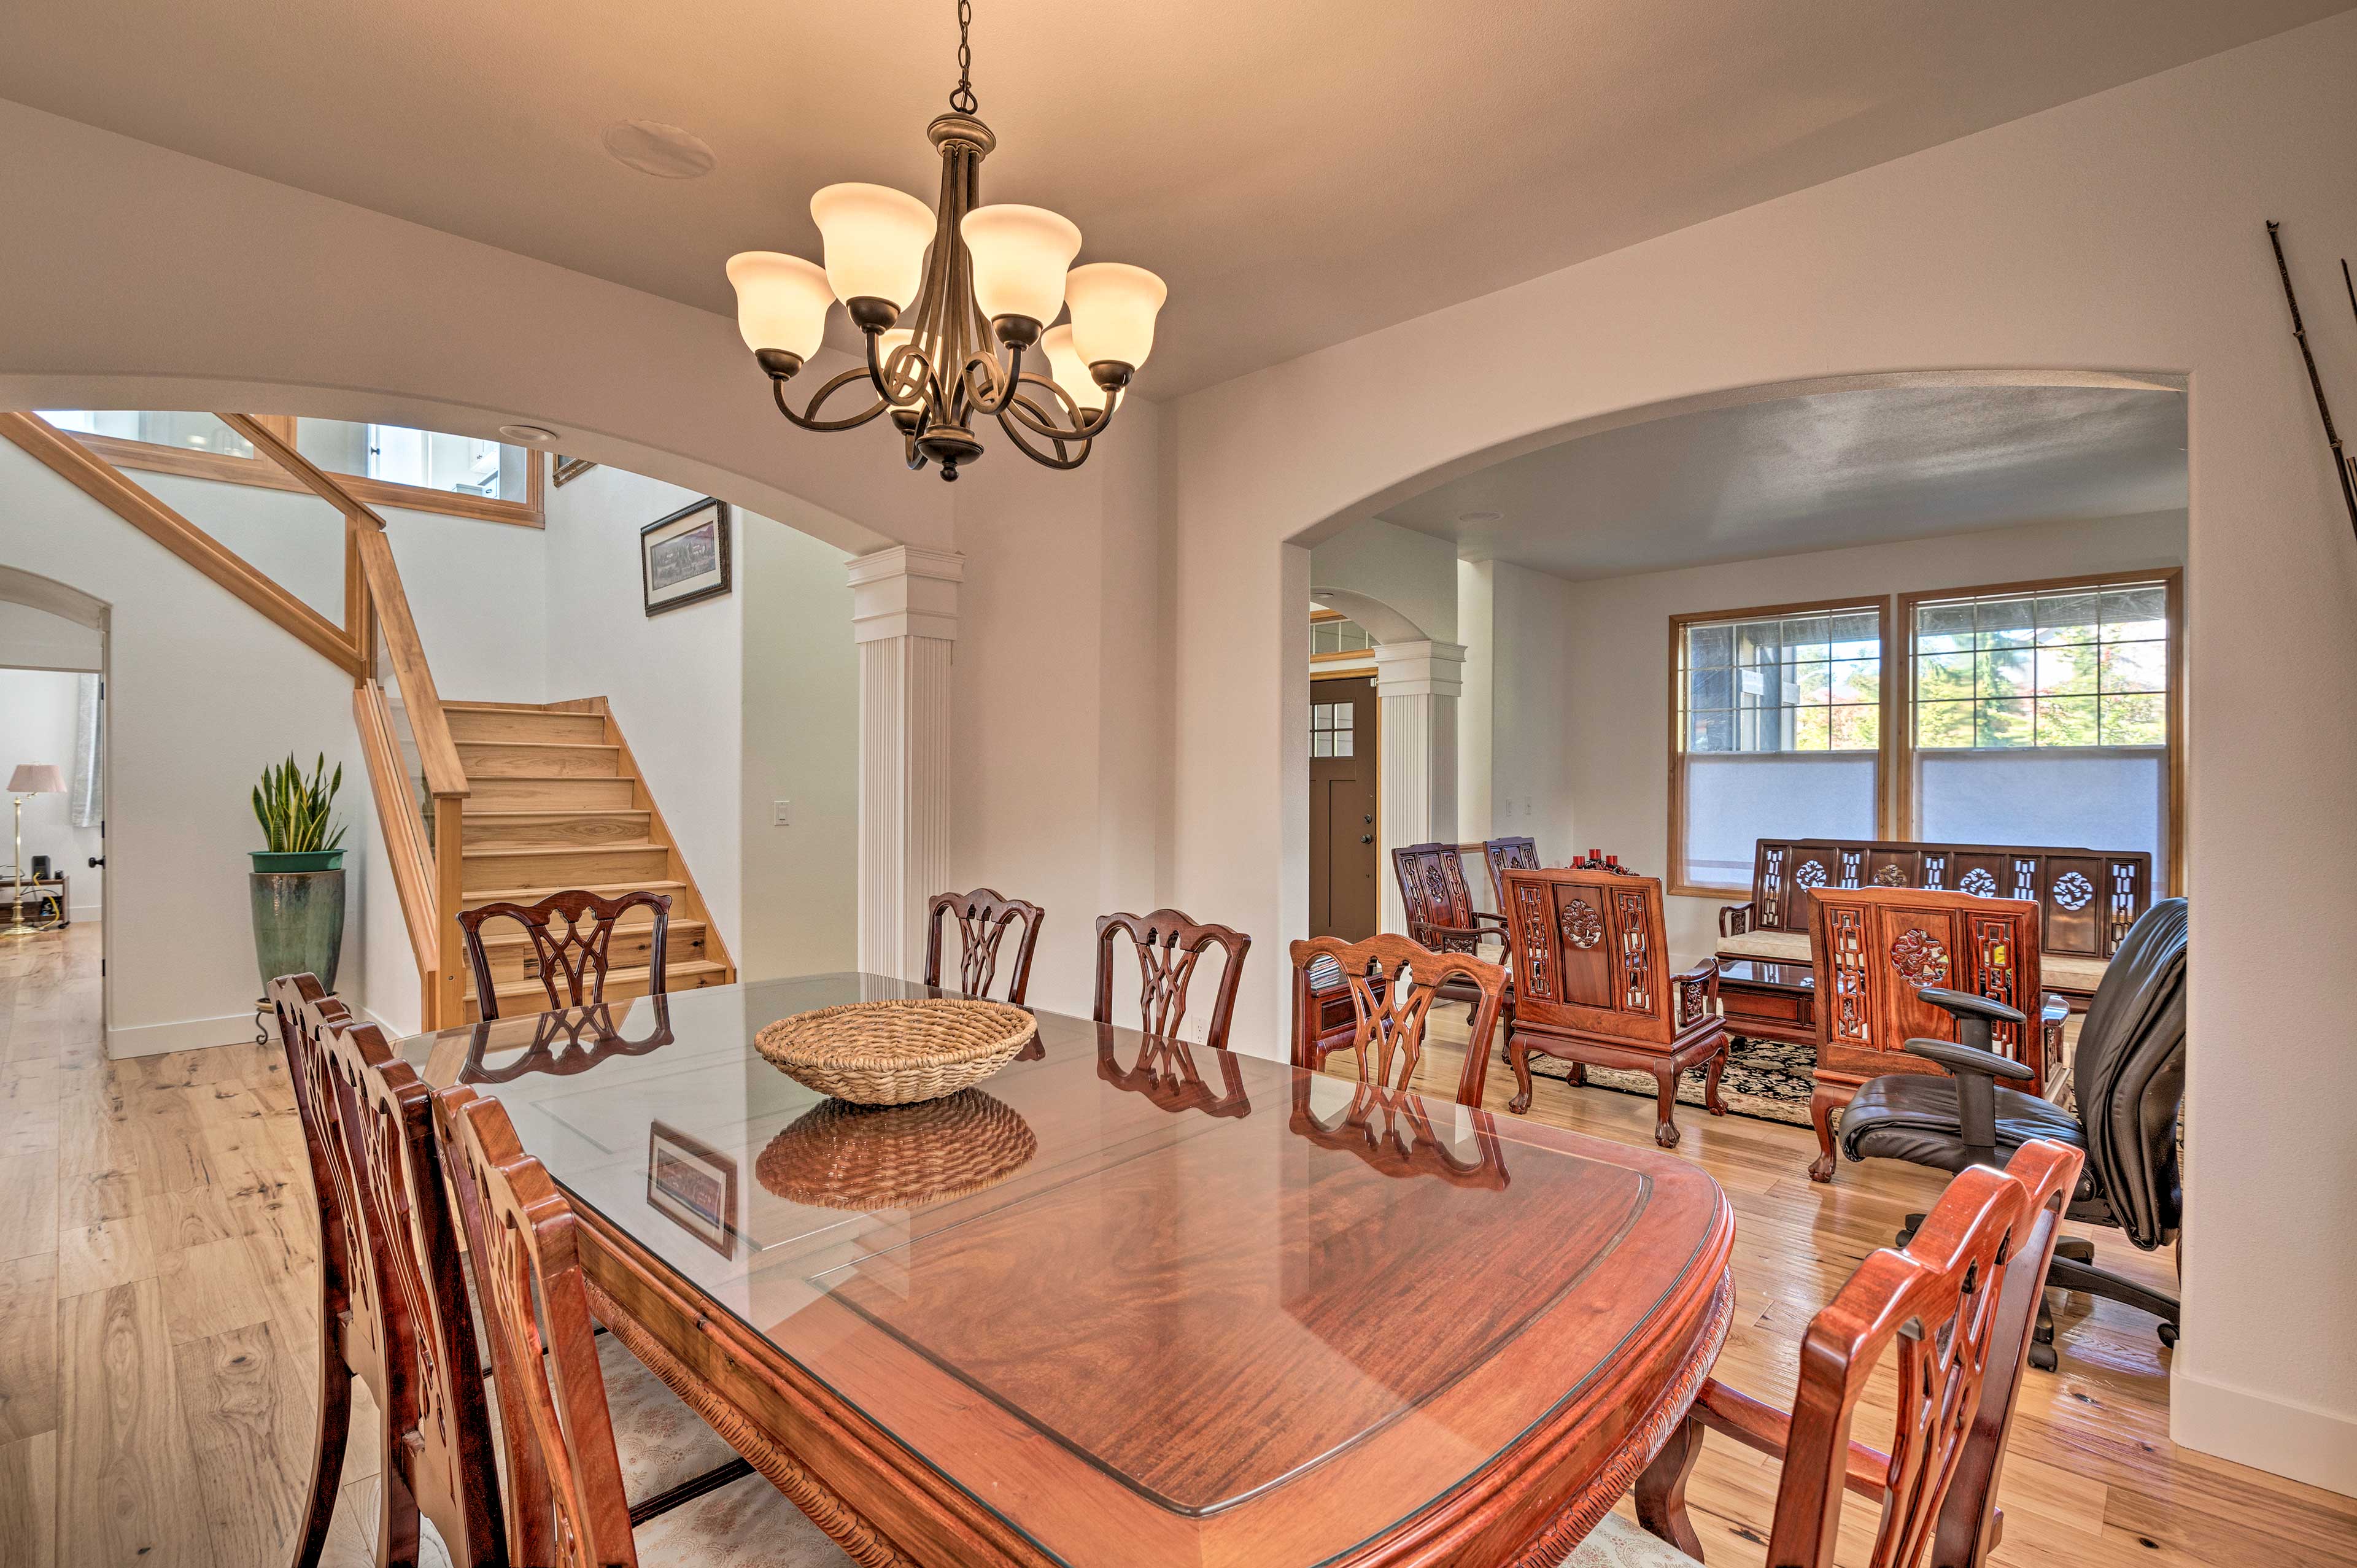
(1007, 378)
(912, 382)
(1083, 427)
(1015, 406)
(809, 420)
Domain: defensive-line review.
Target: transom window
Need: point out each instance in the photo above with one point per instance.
(1333, 731)
(1335, 634)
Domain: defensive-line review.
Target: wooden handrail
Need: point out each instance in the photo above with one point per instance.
(445, 779)
(103, 483)
(397, 813)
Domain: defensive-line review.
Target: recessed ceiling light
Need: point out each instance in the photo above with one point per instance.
(663, 151)
(1480, 516)
(528, 434)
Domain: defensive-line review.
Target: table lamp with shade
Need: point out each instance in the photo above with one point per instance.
(31, 778)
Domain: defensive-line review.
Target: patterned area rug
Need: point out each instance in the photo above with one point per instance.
(1764, 1078)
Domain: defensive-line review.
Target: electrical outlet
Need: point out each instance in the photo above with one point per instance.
(782, 814)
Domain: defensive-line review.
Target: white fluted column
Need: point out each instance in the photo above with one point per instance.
(904, 604)
(1417, 686)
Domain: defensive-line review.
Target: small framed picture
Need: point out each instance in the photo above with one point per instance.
(684, 557)
(694, 1185)
(567, 469)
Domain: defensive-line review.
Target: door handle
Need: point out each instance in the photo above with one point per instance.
(97, 860)
(1366, 838)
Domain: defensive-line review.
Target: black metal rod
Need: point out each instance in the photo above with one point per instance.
(2316, 382)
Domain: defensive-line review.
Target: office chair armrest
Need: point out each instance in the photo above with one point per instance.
(1970, 1058)
(1964, 1004)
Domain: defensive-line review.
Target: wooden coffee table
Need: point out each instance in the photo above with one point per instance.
(1762, 1000)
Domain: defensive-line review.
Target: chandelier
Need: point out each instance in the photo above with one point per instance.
(939, 294)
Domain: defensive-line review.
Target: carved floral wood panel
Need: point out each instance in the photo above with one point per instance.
(1921, 958)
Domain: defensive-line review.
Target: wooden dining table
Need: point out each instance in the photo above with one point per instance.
(1127, 1302)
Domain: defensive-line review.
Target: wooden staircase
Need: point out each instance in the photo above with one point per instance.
(554, 801)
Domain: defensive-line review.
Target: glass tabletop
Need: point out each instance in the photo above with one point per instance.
(1208, 1279)
(1766, 971)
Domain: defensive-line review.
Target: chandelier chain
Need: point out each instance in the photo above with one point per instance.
(963, 99)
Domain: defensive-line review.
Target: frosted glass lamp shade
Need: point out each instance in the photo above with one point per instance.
(36, 778)
(1069, 371)
(781, 302)
(1019, 254)
(876, 239)
(1114, 307)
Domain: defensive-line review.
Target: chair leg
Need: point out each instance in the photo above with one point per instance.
(2042, 1339)
(335, 1426)
(1710, 1100)
(396, 1512)
(1661, 1495)
(1821, 1117)
(1518, 1054)
(1665, 1128)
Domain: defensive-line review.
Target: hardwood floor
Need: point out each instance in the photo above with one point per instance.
(157, 1241)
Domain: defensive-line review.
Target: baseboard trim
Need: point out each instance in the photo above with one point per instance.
(2281, 1436)
(187, 1034)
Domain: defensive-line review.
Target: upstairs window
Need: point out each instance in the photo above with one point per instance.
(1333, 635)
(2044, 714)
(1778, 732)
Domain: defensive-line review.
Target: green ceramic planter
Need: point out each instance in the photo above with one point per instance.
(297, 860)
(298, 919)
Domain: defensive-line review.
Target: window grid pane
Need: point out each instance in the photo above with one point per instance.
(1810, 682)
(2079, 667)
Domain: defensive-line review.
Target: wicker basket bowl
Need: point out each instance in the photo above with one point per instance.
(839, 1156)
(897, 1053)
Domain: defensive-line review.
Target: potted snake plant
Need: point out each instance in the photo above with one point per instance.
(297, 883)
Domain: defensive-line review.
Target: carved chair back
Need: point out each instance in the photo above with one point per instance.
(1169, 943)
(1166, 1074)
(1874, 948)
(565, 1042)
(983, 916)
(2087, 898)
(1935, 1306)
(1590, 951)
(434, 1404)
(1393, 982)
(1440, 905)
(571, 934)
(566, 1505)
(305, 1013)
(1504, 856)
(1405, 1145)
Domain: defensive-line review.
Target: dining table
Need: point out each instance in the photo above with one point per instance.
(1129, 1300)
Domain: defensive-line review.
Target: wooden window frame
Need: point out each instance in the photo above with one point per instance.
(1899, 739)
(1675, 879)
(148, 457)
(1361, 653)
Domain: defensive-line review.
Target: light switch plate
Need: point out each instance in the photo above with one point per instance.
(782, 814)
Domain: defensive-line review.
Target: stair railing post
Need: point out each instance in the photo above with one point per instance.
(447, 1001)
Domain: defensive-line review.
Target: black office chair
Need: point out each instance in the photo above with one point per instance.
(2130, 1075)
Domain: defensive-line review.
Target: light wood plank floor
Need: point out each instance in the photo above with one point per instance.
(157, 1241)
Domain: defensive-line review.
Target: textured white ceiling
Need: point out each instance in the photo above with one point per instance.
(1815, 472)
(1301, 173)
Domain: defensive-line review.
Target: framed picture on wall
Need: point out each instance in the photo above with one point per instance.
(684, 557)
(694, 1185)
(566, 469)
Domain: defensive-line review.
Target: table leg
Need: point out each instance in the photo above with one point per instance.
(1824, 1101)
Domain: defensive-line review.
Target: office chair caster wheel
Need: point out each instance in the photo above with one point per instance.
(2043, 1358)
(1906, 1234)
(2168, 1334)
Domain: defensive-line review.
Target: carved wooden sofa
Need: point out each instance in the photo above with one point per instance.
(1592, 986)
(2087, 898)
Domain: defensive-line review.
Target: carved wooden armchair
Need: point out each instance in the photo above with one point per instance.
(1955, 1309)
(982, 918)
(1170, 943)
(1508, 854)
(1394, 984)
(1440, 913)
(1593, 986)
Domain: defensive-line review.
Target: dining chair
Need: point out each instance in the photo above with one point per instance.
(568, 1485)
(1507, 855)
(1393, 982)
(1957, 1305)
(1165, 1072)
(983, 916)
(576, 949)
(1169, 943)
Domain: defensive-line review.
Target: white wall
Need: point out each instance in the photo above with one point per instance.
(203, 693)
(1535, 713)
(1411, 574)
(2123, 232)
(37, 725)
(35, 640)
(802, 745)
(1615, 678)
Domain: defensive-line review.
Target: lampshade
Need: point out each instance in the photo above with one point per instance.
(781, 302)
(1019, 256)
(36, 778)
(1114, 307)
(876, 239)
(1070, 371)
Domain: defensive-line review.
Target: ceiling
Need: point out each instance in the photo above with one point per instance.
(1301, 173)
(1815, 472)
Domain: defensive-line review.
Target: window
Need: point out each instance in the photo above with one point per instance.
(2043, 714)
(1330, 729)
(1779, 730)
(424, 471)
(1335, 636)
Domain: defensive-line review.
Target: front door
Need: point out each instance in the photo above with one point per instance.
(1343, 808)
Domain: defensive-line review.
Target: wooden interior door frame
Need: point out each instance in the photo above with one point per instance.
(1376, 707)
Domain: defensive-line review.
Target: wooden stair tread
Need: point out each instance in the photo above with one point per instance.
(544, 746)
(473, 812)
(674, 972)
(534, 895)
(512, 708)
(601, 847)
(684, 930)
